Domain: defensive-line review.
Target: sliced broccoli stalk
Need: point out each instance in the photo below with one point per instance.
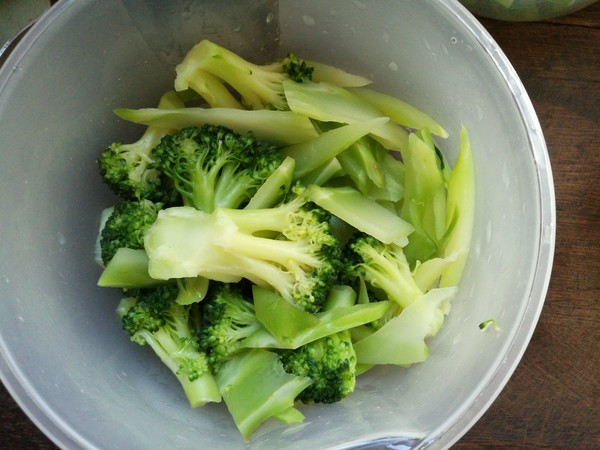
(227, 318)
(191, 290)
(374, 170)
(255, 388)
(288, 327)
(334, 75)
(401, 341)
(129, 169)
(460, 212)
(384, 267)
(324, 173)
(399, 111)
(277, 127)
(290, 415)
(125, 226)
(424, 204)
(310, 155)
(209, 87)
(361, 212)
(328, 103)
(258, 85)
(300, 258)
(153, 317)
(273, 190)
(214, 166)
(428, 273)
(127, 269)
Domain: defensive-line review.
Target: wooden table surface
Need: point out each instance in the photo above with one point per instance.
(553, 399)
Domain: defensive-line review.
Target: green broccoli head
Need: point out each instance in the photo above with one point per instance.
(227, 318)
(150, 311)
(330, 362)
(153, 317)
(297, 69)
(126, 226)
(310, 227)
(130, 171)
(289, 248)
(214, 166)
(157, 319)
(383, 267)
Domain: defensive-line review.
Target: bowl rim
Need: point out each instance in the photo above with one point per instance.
(65, 436)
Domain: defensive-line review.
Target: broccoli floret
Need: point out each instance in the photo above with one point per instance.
(213, 166)
(152, 316)
(227, 318)
(297, 69)
(126, 226)
(330, 362)
(289, 248)
(260, 86)
(383, 267)
(130, 171)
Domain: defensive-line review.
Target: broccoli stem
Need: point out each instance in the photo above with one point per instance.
(255, 388)
(399, 111)
(309, 155)
(329, 103)
(199, 391)
(258, 85)
(288, 327)
(127, 269)
(272, 190)
(330, 74)
(322, 174)
(424, 189)
(211, 89)
(401, 340)
(427, 274)
(278, 127)
(362, 213)
(460, 212)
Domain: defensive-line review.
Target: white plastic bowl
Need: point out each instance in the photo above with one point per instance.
(64, 357)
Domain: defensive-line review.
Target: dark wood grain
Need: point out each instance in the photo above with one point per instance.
(552, 401)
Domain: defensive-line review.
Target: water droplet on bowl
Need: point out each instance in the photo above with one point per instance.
(309, 20)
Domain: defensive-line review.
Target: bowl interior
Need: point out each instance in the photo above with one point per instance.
(65, 358)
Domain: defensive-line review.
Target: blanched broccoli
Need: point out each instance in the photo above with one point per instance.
(255, 388)
(212, 166)
(281, 230)
(227, 318)
(152, 316)
(383, 267)
(260, 86)
(297, 69)
(289, 248)
(126, 226)
(330, 362)
(130, 171)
